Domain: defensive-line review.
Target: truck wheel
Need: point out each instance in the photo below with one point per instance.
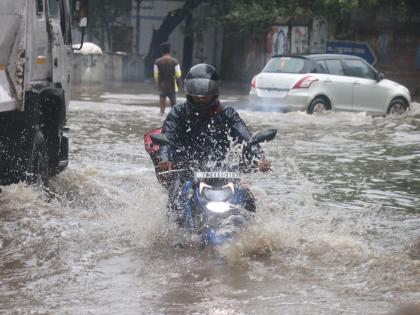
(37, 169)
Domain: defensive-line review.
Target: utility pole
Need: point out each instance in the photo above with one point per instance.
(138, 2)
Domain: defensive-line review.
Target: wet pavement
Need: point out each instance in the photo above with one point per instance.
(336, 229)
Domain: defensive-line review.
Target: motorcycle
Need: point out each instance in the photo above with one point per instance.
(213, 204)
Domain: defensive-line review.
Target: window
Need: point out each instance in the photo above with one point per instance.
(357, 68)
(53, 9)
(40, 8)
(321, 66)
(285, 65)
(65, 22)
(334, 66)
(59, 12)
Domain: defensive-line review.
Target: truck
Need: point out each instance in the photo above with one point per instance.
(35, 75)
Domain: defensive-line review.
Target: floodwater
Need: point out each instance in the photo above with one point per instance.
(336, 231)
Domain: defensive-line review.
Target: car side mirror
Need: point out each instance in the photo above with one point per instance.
(380, 77)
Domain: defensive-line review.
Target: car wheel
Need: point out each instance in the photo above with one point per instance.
(318, 105)
(397, 107)
(37, 161)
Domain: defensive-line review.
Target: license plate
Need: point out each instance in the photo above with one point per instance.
(202, 175)
(272, 93)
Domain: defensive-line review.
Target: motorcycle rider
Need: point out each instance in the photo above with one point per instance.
(203, 129)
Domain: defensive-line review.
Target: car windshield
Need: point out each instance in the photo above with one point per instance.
(285, 65)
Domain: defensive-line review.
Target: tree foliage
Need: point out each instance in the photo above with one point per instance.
(241, 18)
(246, 17)
(103, 14)
(251, 17)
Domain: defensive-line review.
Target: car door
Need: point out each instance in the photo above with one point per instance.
(368, 94)
(337, 86)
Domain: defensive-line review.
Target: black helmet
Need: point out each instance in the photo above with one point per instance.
(202, 80)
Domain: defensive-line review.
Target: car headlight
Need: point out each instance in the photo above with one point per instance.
(217, 195)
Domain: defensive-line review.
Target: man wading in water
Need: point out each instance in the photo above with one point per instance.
(166, 73)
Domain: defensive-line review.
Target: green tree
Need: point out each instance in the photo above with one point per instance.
(252, 17)
(102, 15)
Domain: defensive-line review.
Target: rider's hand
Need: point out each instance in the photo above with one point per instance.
(264, 166)
(165, 166)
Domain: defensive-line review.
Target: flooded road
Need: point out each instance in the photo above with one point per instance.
(336, 231)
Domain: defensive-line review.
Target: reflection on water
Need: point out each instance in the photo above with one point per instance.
(336, 230)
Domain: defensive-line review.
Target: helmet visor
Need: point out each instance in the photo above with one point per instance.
(201, 87)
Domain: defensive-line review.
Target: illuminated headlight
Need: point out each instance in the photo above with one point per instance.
(222, 194)
(218, 207)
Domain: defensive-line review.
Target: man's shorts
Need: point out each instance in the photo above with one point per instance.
(170, 95)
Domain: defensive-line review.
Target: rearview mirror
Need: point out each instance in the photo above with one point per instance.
(264, 135)
(80, 13)
(380, 77)
(80, 18)
(160, 138)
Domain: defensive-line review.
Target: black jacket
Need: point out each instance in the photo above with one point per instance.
(206, 138)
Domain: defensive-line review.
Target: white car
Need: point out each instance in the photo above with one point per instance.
(319, 82)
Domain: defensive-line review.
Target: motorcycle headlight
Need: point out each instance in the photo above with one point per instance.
(218, 206)
(217, 194)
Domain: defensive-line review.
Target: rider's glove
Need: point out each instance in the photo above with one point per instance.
(264, 166)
